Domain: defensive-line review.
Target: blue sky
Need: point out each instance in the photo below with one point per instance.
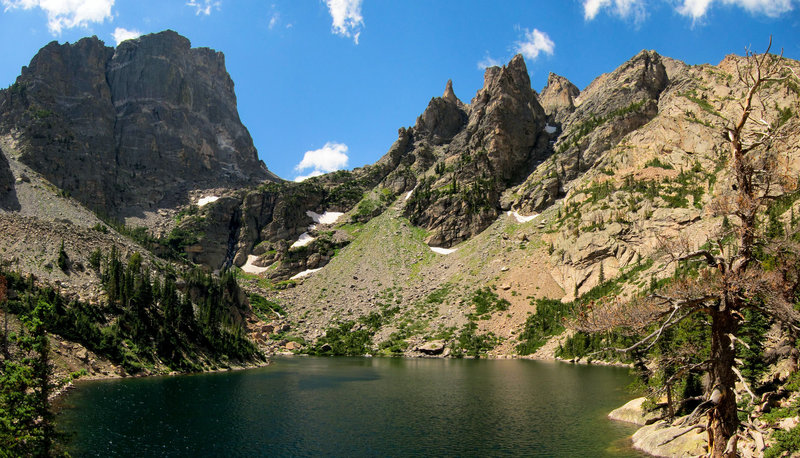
(325, 84)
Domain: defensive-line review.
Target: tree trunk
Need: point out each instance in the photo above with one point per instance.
(723, 420)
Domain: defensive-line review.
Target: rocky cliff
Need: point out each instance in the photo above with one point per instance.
(491, 144)
(131, 129)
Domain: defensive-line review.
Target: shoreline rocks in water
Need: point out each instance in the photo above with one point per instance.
(660, 437)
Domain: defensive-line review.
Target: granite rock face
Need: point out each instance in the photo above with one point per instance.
(612, 106)
(558, 98)
(507, 121)
(130, 129)
(443, 119)
(499, 144)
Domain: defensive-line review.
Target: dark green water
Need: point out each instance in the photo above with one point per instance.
(356, 407)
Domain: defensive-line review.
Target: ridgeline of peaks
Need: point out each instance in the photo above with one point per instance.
(131, 129)
(540, 195)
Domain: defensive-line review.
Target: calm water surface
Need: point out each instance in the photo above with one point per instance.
(356, 407)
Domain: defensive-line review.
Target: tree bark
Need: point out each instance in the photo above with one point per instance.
(723, 420)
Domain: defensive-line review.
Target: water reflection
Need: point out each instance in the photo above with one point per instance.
(357, 406)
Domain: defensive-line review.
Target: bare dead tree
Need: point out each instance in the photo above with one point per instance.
(731, 279)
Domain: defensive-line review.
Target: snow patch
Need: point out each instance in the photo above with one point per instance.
(304, 273)
(408, 196)
(250, 268)
(206, 200)
(305, 239)
(550, 129)
(521, 218)
(441, 250)
(325, 218)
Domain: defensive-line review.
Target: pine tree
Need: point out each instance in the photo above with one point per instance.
(63, 259)
(26, 421)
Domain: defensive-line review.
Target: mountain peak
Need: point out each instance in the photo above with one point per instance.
(449, 95)
(558, 97)
(159, 115)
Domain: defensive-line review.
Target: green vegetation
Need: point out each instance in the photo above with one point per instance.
(26, 421)
(344, 339)
(785, 441)
(655, 162)
(438, 296)
(545, 323)
(366, 210)
(146, 321)
(701, 102)
(485, 301)
(63, 259)
(95, 258)
(264, 308)
(171, 247)
(469, 343)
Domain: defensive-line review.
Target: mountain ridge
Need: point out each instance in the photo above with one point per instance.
(536, 196)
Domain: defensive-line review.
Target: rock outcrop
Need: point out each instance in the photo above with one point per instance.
(8, 195)
(613, 105)
(443, 119)
(499, 145)
(633, 412)
(558, 98)
(130, 129)
(506, 121)
(663, 439)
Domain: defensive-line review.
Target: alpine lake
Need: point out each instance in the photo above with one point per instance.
(307, 406)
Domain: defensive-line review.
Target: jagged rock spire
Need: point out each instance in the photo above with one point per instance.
(449, 95)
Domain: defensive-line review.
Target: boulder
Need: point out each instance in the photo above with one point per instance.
(435, 347)
(633, 412)
(663, 439)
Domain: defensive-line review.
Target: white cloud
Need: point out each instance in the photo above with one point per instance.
(66, 14)
(121, 34)
(489, 61)
(534, 42)
(625, 9)
(203, 6)
(300, 178)
(331, 157)
(697, 9)
(592, 7)
(274, 20)
(347, 19)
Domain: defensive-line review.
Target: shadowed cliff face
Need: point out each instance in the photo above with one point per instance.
(8, 195)
(130, 129)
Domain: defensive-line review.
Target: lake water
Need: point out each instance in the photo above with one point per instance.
(356, 407)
